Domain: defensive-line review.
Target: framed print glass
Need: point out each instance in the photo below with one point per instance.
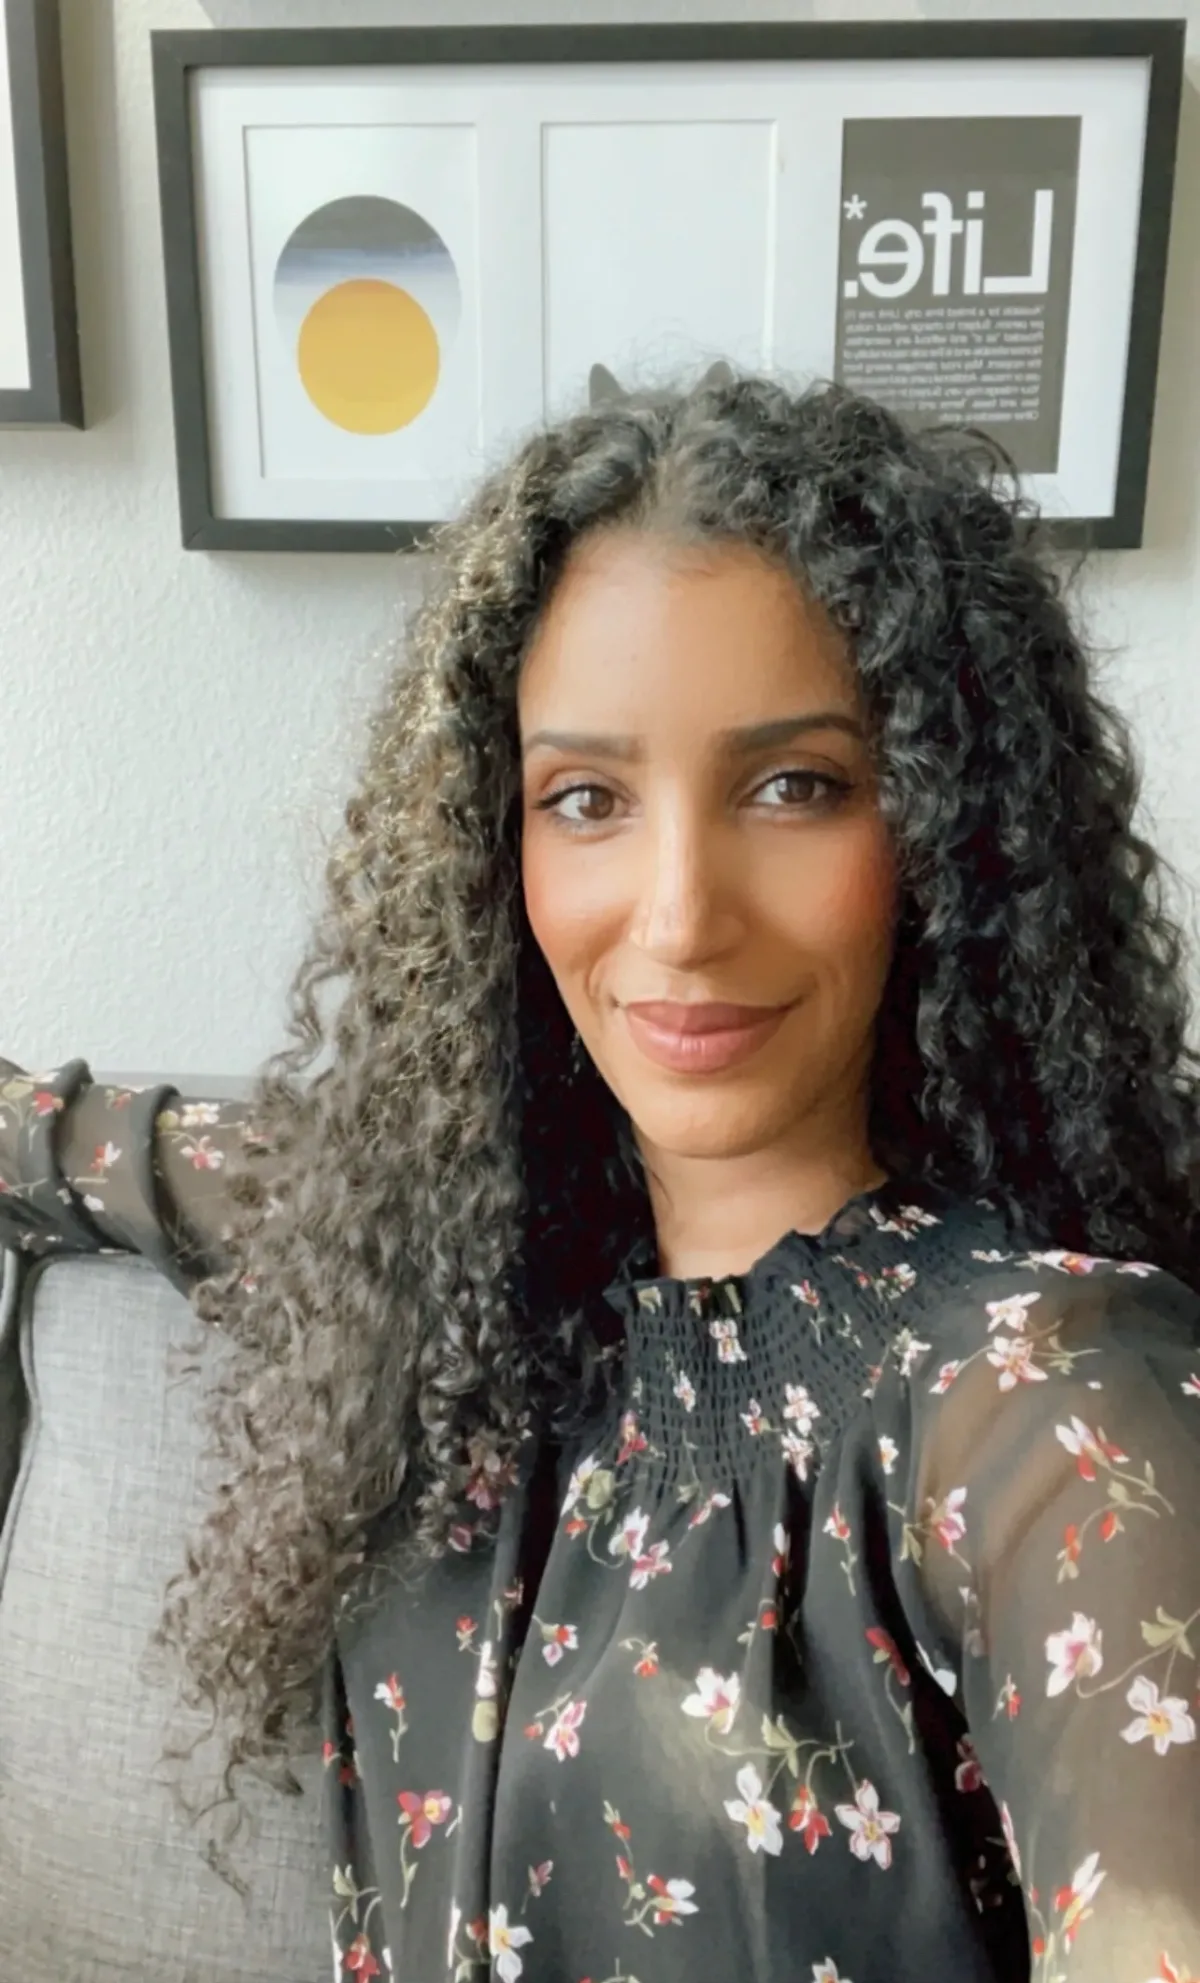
(39, 347)
(391, 253)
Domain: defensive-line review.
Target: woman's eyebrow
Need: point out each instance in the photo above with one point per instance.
(734, 743)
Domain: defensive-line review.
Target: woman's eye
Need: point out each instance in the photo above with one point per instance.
(579, 805)
(796, 789)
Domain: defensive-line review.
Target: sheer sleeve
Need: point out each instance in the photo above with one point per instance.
(355, 1916)
(87, 1167)
(1047, 1545)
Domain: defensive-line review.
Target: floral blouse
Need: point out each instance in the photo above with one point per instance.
(854, 1642)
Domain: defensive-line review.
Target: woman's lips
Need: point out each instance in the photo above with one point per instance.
(701, 1039)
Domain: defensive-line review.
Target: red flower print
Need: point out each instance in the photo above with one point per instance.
(768, 1618)
(203, 1154)
(624, 1868)
(459, 1537)
(1072, 1547)
(1010, 1699)
(423, 1813)
(558, 1639)
(576, 1525)
(619, 1829)
(328, 1753)
(1110, 1525)
(968, 1775)
(1169, 1972)
(887, 1649)
(945, 1518)
(1091, 1449)
(805, 1818)
(945, 1377)
(837, 1525)
(359, 1960)
(44, 1103)
(465, 1627)
(533, 1730)
(653, 1564)
(633, 1440)
(647, 1665)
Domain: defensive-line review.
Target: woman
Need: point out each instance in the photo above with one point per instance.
(715, 1400)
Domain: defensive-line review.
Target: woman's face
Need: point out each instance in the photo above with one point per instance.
(705, 866)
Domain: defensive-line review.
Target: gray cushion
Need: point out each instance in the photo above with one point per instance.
(98, 1877)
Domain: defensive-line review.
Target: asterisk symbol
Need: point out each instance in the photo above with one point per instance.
(854, 207)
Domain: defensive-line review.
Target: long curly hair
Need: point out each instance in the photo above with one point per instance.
(433, 1189)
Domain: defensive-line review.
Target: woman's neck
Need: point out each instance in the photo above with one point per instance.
(718, 1215)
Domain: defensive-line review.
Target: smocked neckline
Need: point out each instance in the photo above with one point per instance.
(638, 1287)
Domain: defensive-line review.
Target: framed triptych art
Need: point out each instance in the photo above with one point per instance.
(392, 253)
(39, 346)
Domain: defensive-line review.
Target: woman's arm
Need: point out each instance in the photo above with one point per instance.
(87, 1167)
(1048, 1553)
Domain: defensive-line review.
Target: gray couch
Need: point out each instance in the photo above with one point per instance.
(99, 1880)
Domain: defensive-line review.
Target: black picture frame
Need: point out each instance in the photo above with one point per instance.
(54, 396)
(176, 55)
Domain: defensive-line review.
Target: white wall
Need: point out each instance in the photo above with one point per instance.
(176, 730)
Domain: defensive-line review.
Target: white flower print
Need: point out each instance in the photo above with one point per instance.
(1141, 1268)
(672, 1899)
(653, 1563)
(710, 1501)
(991, 1256)
(577, 1484)
(870, 1828)
(1011, 1313)
(503, 1943)
(715, 1699)
(797, 1452)
(199, 1115)
(1067, 1263)
(630, 1538)
(1074, 1654)
(753, 1418)
(1164, 1718)
(909, 1351)
(1013, 1358)
(889, 1453)
(1074, 1900)
(685, 1391)
(563, 1738)
(944, 1675)
(800, 1408)
(827, 1972)
(725, 1336)
(752, 1809)
(783, 1550)
(559, 1639)
(1191, 1385)
(487, 1683)
(806, 1293)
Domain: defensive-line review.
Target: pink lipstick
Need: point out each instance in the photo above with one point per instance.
(701, 1039)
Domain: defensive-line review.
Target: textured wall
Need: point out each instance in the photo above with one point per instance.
(175, 730)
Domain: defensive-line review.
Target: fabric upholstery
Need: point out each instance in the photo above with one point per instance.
(99, 1879)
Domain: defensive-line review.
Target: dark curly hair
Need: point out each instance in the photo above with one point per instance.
(432, 1188)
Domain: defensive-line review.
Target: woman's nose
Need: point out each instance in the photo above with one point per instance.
(682, 912)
